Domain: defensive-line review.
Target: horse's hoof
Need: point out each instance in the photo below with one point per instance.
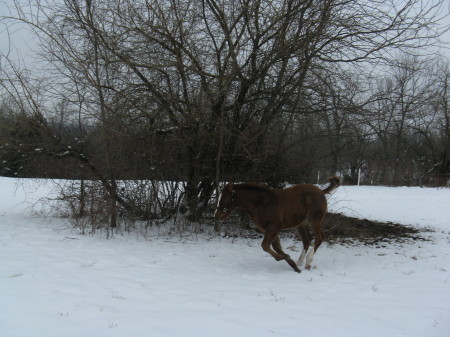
(293, 265)
(307, 267)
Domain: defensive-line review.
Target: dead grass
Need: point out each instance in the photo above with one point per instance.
(338, 228)
(345, 229)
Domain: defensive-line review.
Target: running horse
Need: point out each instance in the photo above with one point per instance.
(301, 206)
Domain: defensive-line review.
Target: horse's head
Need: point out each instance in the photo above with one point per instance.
(226, 202)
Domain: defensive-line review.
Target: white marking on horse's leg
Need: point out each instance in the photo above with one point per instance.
(309, 259)
(301, 259)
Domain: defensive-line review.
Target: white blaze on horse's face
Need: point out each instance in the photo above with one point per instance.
(224, 203)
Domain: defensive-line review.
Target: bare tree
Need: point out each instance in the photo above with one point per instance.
(400, 97)
(432, 127)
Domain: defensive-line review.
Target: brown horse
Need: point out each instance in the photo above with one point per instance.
(272, 210)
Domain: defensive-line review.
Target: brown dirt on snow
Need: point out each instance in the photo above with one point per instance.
(344, 229)
(338, 228)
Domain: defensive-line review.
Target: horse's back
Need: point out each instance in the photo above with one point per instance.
(299, 202)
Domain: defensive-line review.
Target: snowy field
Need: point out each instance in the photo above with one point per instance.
(55, 282)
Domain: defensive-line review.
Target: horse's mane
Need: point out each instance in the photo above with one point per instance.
(254, 187)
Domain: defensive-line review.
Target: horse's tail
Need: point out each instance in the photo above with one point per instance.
(335, 182)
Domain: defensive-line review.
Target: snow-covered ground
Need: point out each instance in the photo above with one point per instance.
(55, 282)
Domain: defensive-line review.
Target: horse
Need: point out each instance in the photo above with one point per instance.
(301, 206)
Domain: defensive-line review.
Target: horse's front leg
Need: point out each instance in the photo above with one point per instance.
(276, 244)
(271, 238)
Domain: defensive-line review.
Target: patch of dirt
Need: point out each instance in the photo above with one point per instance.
(340, 228)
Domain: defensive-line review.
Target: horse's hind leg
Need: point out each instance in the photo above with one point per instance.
(271, 238)
(305, 235)
(319, 236)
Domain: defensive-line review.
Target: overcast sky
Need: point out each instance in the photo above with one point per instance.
(18, 43)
